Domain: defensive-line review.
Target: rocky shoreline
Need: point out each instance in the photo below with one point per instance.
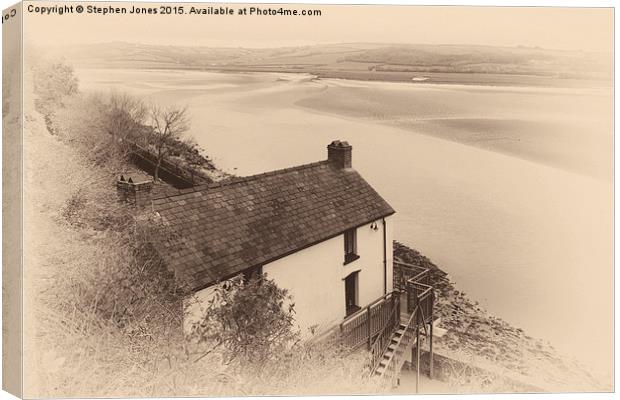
(479, 341)
(483, 353)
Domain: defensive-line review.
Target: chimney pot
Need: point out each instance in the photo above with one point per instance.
(339, 154)
(135, 193)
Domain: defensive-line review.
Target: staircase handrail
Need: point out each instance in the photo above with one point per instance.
(420, 298)
(391, 368)
(422, 292)
(382, 341)
(419, 271)
(416, 318)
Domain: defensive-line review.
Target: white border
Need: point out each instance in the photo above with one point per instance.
(531, 3)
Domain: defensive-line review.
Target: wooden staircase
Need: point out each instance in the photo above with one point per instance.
(388, 334)
(403, 340)
(420, 299)
(395, 354)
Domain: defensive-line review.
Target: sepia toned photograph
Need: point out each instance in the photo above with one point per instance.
(227, 199)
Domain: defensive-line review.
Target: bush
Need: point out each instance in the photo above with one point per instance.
(251, 319)
(54, 81)
(82, 125)
(127, 284)
(106, 320)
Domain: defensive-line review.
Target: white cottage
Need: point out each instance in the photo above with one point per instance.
(319, 230)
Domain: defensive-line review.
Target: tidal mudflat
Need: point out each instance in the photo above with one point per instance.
(509, 189)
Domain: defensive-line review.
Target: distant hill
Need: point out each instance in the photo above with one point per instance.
(486, 59)
(353, 57)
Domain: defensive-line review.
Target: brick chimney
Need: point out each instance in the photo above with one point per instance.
(134, 193)
(339, 154)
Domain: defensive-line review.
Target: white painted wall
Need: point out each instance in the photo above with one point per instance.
(195, 306)
(315, 276)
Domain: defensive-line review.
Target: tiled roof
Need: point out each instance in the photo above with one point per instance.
(220, 229)
(163, 189)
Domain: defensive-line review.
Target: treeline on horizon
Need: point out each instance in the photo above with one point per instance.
(356, 56)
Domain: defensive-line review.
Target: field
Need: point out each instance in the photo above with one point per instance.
(467, 64)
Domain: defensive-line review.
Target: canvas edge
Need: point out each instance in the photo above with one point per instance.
(12, 210)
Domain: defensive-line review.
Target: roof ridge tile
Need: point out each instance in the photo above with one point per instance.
(240, 179)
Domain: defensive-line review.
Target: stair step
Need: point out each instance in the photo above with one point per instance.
(393, 346)
(439, 332)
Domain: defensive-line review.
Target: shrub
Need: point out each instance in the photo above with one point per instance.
(251, 319)
(54, 81)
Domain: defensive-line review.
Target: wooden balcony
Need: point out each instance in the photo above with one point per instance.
(418, 300)
(391, 325)
(361, 327)
(415, 284)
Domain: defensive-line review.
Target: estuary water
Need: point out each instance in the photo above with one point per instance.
(509, 189)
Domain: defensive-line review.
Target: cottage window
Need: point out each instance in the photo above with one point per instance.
(351, 284)
(350, 246)
(256, 272)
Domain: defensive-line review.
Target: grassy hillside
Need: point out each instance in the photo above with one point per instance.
(103, 315)
(358, 57)
(483, 59)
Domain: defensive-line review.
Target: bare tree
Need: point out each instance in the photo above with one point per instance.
(123, 118)
(168, 124)
(193, 158)
(127, 116)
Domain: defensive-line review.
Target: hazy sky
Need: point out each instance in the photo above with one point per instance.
(560, 28)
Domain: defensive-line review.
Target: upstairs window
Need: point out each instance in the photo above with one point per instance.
(254, 272)
(350, 246)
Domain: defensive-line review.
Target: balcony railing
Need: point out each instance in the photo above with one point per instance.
(375, 325)
(363, 326)
(404, 272)
(415, 281)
